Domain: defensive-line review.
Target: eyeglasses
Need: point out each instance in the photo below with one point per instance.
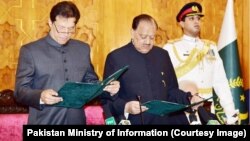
(64, 30)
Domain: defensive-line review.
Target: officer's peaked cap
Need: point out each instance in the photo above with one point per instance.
(190, 9)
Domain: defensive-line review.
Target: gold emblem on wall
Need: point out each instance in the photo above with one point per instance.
(8, 57)
(43, 27)
(8, 36)
(161, 37)
(7, 78)
(85, 34)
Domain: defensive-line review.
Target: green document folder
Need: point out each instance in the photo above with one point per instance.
(76, 94)
(161, 108)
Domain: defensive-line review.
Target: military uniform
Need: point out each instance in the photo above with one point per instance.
(198, 60)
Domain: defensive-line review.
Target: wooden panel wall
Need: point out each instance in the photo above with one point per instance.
(106, 25)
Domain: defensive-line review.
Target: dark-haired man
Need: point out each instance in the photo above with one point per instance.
(198, 60)
(150, 75)
(46, 64)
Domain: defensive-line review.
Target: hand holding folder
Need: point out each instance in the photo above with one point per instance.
(76, 94)
(161, 108)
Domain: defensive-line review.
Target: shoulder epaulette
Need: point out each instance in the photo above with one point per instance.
(173, 41)
(209, 42)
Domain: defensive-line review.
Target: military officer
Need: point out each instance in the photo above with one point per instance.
(198, 60)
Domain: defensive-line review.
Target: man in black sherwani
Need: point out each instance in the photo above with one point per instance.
(150, 76)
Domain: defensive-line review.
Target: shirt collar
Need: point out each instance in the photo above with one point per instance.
(52, 42)
(190, 39)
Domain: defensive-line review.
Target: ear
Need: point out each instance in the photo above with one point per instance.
(181, 23)
(132, 33)
(50, 23)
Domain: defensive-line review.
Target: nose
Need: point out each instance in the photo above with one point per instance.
(147, 40)
(197, 19)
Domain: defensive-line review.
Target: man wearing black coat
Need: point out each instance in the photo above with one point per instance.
(150, 75)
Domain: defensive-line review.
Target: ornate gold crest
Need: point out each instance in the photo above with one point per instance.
(195, 8)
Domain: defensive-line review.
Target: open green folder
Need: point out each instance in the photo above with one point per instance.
(161, 108)
(76, 94)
